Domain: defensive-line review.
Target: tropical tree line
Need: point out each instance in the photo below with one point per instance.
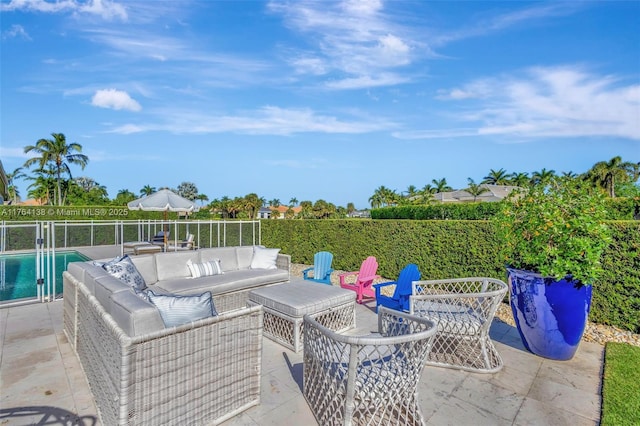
(614, 177)
(52, 183)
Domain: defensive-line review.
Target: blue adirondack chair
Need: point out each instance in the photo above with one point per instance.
(403, 287)
(321, 268)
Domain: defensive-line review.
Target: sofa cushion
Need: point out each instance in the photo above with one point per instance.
(174, 264)
(227, 255)
(87, 273)
(205, 269)
(123, 269)
(244, 255)
(146, 265)
(264, 258)
(107, 285)
(177, 310)
(229, 282)
(135, 316)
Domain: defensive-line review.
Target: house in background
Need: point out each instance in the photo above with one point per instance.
(494, 193)
(279, 212)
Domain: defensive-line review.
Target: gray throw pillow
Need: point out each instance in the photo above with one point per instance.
(123, 269)
(178, 310)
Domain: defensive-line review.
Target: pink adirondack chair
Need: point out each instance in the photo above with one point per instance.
(364, 279)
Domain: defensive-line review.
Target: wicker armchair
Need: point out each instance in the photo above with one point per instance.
(358, 380)
(463, 308)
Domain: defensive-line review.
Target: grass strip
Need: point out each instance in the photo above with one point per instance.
(621, 385)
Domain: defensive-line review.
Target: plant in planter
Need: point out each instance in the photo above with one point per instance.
(553, 237)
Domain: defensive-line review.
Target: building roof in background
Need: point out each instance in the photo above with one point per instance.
(494, 193)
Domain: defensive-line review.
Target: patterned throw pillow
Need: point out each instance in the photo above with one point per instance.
(205, 269)
(177, 310)
(123, 269)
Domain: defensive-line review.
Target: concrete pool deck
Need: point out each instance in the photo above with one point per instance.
(41, 380)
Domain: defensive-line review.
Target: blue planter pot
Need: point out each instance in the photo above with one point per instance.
(551, 317)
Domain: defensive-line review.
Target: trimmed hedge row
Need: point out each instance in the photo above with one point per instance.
(619, 209)
(454, 249)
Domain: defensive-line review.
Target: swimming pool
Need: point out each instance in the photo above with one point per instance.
(18, 273)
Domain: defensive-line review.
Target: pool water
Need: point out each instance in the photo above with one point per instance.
(18, 273)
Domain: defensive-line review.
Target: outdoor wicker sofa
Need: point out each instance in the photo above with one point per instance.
(143, 373)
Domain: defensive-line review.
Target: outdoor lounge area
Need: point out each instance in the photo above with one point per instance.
(42, 382)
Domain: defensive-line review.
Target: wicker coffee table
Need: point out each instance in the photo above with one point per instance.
(285, 304)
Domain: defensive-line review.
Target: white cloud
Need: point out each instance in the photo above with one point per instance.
(106, 9)
(545, 102)
(8, 152)
(114, 99)
(268, 120)
(500, 22)
(354, 39)
(16, 31)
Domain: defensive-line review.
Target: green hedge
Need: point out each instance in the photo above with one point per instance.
(454, 249)
(619, 209)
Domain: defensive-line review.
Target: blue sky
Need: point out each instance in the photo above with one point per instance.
(320, 100)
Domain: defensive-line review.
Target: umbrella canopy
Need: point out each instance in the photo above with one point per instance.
(163, 201)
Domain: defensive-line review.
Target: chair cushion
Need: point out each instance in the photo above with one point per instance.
(123, 269)
(177, 310)
(205, 269)
(264, 258)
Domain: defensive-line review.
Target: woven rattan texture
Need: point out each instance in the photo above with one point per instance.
(463, 309)
(289, 332)
(203, 372)
(69, 312)
(368, 380)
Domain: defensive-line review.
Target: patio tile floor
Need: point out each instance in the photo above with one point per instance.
(41, 381)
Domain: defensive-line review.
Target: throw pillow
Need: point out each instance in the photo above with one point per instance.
(264, 258)
(177, 310)
(205, 269)
(123, 269)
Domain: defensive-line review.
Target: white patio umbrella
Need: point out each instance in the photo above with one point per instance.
(165, 201)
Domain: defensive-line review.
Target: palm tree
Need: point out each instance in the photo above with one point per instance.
(43, 186)
(147, 190)
(274, 203)
(441, 185)
(411, 191)
(496, 177)
(56, 151)
(475, 189)
(542, 177)
(123, 197)
(520, 179)
(188, 190)
(12, 190)
(202, 198)
(606, 174)
(293, 201)
(252, 204)
(306, 210)
(351, 208)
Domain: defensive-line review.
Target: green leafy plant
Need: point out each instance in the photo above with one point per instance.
(556, 229)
